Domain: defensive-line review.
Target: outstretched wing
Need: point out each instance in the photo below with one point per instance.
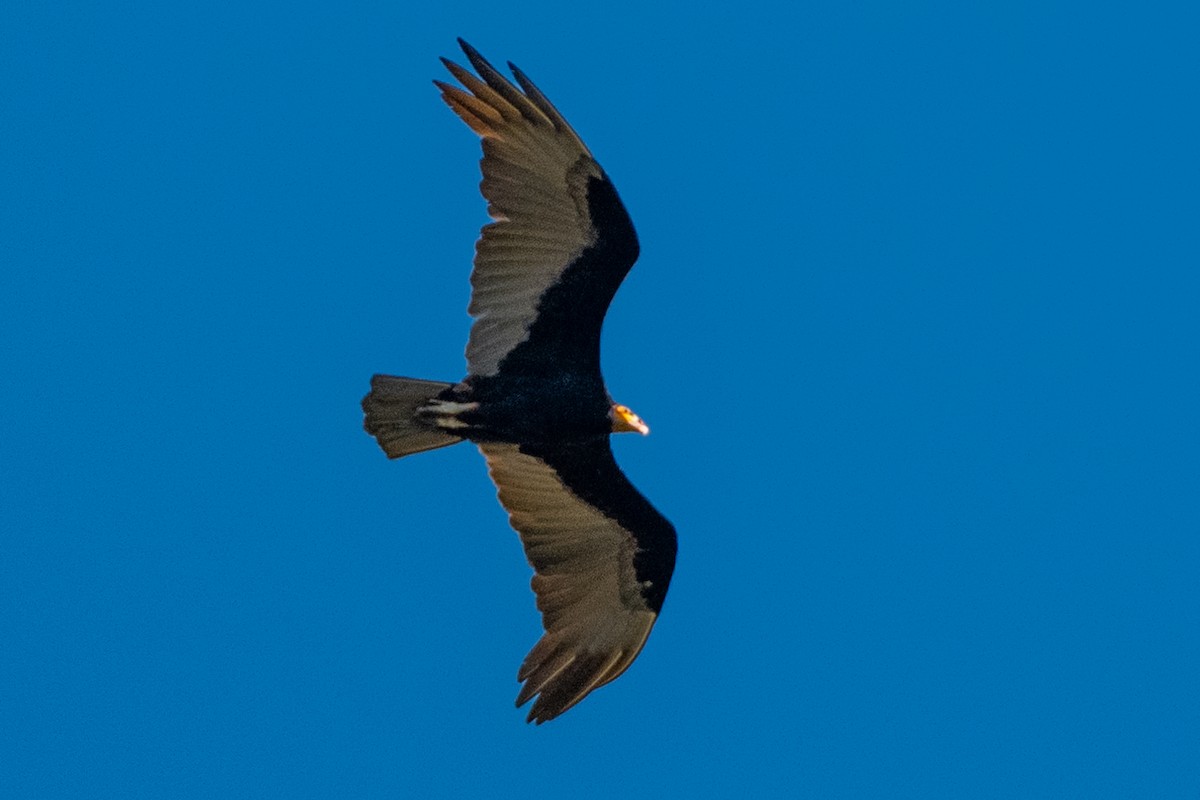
(603, 558)
(547, 268)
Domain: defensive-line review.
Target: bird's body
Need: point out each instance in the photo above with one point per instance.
(513, 408)
(534, 400)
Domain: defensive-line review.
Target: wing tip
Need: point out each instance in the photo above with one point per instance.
(573, 676)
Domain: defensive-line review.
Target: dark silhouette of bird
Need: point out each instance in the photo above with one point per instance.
(534, 401)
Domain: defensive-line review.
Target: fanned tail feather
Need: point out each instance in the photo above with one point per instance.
(391, 415)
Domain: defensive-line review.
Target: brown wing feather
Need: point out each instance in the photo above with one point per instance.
(595, 616)
(535, 178)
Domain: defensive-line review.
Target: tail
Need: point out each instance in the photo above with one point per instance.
(391, 415)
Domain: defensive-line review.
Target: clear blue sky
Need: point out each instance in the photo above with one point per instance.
(915, 326)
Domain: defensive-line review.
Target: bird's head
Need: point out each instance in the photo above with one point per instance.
(625, 421)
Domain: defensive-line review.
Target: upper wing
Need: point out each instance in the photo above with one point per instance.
(547, 268)
(603, 558)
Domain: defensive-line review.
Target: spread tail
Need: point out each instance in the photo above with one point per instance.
(391, 415)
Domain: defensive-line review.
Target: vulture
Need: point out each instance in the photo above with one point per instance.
(533, 401)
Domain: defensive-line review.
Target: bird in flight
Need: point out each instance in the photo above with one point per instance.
(534, 401)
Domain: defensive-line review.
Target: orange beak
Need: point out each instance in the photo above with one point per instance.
(625, 421)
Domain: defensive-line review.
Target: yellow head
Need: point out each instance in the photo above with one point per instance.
(625, 421)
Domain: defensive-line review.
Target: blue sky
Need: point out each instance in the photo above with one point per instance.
(915, 326)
